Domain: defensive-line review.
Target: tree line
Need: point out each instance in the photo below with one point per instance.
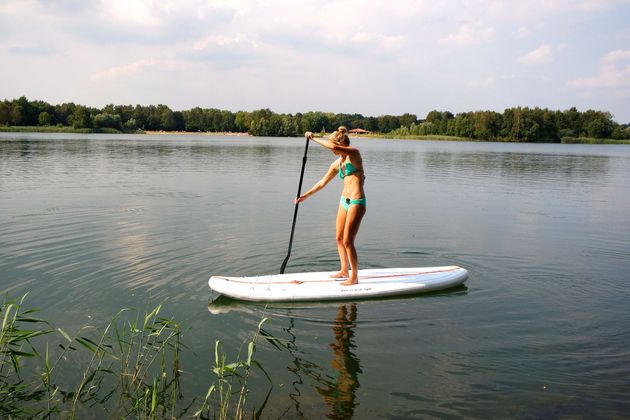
(514, 124)
(519, 125)
(263, 122)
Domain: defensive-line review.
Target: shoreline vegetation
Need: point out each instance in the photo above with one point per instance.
(564, 140)
(518, 124)
(130, 368)
(428, 137)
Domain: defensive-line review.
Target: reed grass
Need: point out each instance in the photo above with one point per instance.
(229, 375)
(128, 369)
(16, 344)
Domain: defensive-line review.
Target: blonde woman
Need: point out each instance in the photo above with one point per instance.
(349, 167)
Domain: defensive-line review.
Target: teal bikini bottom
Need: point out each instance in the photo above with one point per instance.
(347, 202)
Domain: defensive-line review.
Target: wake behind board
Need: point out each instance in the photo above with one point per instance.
(320, 286)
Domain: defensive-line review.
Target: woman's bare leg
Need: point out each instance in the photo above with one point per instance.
(353, 222)
(343, 257)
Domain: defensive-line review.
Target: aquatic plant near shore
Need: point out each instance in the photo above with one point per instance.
(227, 374)
(16, 343)
(131, 368)
(136, 361)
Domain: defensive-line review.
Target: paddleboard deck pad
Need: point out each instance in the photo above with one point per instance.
(319, 286)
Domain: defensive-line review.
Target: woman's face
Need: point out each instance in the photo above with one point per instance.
(332, 137)
(339, 152)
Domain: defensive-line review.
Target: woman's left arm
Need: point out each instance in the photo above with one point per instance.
(349, 150)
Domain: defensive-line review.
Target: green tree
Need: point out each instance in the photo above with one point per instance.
(598, 124)
(287, 127)
(464, 125)
(167, 120)
(487, 125)
(180, 123)
(152, 117)
(387, 123)
(22, 112)
(571, 122)
(5, 113)
(425, 128)
(434, 117)
(44, 118)
(242, 121)
(316, 122)
(63, 113)
(406, 120)
(17, 115)
(140, 114)
(513, 124)
(618, 132)
(106, 120)
(228, 121)
(371, 124)
(194, 119)
(81, 117)
(598, 128)
(130, 125)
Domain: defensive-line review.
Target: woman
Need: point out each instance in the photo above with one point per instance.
(349, 167)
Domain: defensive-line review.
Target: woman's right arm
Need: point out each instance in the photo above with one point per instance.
(330, 174)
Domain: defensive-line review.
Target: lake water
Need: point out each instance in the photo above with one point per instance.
(90, 224)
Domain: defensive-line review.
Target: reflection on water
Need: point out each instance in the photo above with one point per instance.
(340, 392)
(339, 389)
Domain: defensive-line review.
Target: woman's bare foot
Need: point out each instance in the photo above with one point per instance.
(350, 282)
(340, 275)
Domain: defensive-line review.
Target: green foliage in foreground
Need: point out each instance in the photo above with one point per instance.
(129, 369)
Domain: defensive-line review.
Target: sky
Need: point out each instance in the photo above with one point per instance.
(372, 57)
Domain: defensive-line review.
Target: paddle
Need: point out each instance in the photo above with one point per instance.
(299, 192)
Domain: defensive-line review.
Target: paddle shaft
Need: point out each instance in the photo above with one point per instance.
(295, 212)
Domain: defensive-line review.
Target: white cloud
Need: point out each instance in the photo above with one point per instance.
(34, 50)
(540, 55)
(223, 51)
(136, 11)
(239, 40)
(134, 69)
(624, 34)
(469, 34)
(614, 71)
(596, 5)
(380, 41)
(523, 32)
(490, 82)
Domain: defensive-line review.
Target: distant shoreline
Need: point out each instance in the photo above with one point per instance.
(194, 133)
(56, 129)
(65, 129)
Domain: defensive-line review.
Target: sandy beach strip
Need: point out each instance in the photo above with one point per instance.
(194, 133)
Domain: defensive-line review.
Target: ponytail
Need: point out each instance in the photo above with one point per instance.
(340, 136)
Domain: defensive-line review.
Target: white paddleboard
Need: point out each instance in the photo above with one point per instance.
(320, 286)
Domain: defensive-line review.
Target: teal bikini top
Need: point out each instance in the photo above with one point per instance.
(350, 169)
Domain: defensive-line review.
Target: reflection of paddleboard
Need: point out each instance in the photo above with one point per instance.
(319, 286)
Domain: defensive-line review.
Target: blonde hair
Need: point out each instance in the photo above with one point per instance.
(340, 136)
